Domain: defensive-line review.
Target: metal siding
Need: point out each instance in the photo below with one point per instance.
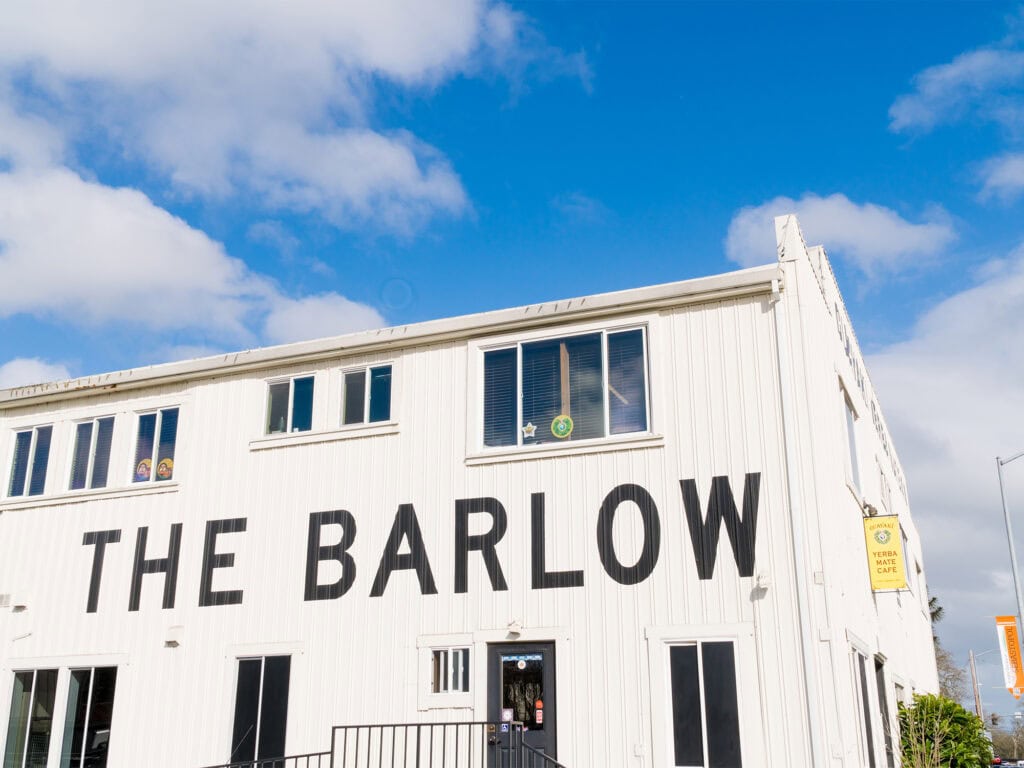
(714, 396)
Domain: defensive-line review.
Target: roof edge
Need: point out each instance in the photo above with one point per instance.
(697, 290)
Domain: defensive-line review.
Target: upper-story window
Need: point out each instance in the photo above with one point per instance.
(580, 387)
(290, 405)
(851, 437)
(90, 461)
(31, 457)
(367, 395)
(154, 446)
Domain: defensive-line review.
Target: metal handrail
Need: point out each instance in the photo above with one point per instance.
(308, 760)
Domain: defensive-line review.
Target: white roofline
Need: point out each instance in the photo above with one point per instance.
(738, 283)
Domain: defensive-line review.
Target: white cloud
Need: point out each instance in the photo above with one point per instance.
(23, 371)
(91, 255)
(873, 238)
(268, 98)
(318, 316)
(952, 394)
(1002, 176)
(981, 81)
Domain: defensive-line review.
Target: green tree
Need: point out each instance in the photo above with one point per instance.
(936, 732)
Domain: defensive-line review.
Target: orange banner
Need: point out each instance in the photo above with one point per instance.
(1009, 647)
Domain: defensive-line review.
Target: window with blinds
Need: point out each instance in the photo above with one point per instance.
(582, 387)
(154, 446)
(31, 458)
(290, 406)
(90, 461)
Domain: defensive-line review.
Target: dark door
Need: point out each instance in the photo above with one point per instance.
(521, 689)
(261, 708)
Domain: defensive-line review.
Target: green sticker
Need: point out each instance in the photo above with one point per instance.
(561, 427)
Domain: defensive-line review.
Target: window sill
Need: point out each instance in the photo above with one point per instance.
(80, 497)
(326, 436)
(548, 450)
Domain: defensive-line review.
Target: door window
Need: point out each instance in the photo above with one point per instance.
(31, 719)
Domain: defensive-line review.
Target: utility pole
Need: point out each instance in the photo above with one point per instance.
(977, 693)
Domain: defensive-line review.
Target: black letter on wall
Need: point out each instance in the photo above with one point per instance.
(722, 506)
(542, 578)
(167, 566)
(99, 539)
(317, 553)
(212, 560)
(652, 534)
(406, 526)
(483, 542)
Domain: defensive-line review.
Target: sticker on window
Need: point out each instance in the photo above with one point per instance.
(561, 427)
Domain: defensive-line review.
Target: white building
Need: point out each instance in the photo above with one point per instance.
(222, 559)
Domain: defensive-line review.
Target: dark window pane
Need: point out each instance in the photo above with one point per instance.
(627, 390)
(500, 397)
(861, 661)
(274, 711)
(277, 407)
(100, 716)
(144, 448)
(436, 678)
(19, 468)
(586, 403)
(101, 458)
(522, 686)
(542, 388)
(38, 746)
(465, 669)
(247, 702)
(168, 439)
(380, 393)
(17, 723)
(355, 397)
(688, 735)
(74, 718)
(80, 458)
(302, 404)
(721, 706)
(883, 705)
(40, 459)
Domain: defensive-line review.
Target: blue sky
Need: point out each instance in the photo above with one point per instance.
(178, 180)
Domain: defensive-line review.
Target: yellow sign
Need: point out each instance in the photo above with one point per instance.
(1009, 648)
(885, 552)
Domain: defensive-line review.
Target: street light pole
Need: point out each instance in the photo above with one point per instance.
(1009, 539)
(977, 693)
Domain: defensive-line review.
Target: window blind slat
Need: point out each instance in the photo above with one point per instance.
(80, 460)
(101, 459)
(168, 441)
(40, 459)
(19, 468)
(627, 395)
(500, 397)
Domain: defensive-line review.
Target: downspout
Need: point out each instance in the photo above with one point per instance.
(819, 755)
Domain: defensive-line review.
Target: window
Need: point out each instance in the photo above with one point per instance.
(31, 456)
(571, 388)
(154, 446)
(357, 408)
(860, 662)
(883, 706)
(91, 460)
(450, 670)
(290, 406)
(88, 718)
(851, 436)
(31, 719)
(705, 706)
(261, 709)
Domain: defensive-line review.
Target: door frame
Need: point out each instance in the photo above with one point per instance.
(526, 646)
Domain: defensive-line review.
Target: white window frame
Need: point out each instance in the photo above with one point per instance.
(366, 369)
(134, 447)
(426, 698)
(291, 404)
(94, 437)
(34, 429)
(517, 344)
(457, 660)
(850, 419)
(660, 639)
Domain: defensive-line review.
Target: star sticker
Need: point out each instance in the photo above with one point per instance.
(529, 430)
